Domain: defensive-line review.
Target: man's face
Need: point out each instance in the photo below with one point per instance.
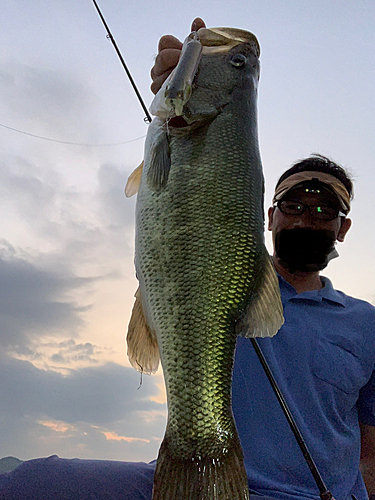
(279, 221)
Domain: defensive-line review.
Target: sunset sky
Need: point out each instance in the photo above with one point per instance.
(67, 230)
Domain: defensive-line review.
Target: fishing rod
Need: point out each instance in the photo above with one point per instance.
(325, 494)
(147, 118)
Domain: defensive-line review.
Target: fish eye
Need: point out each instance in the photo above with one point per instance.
(238, 60)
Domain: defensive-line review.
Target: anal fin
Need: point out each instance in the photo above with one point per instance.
(264, 315)
(143, 350)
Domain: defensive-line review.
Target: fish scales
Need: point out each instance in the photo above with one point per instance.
(201, 262)
(203, 249)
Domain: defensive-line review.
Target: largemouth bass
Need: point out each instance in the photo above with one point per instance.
(204, 274)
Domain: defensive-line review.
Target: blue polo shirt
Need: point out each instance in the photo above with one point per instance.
(323, 359)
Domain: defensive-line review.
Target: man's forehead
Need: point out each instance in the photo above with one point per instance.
(329, 182)
(312, 189)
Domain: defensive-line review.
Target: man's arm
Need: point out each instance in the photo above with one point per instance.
(368, 457)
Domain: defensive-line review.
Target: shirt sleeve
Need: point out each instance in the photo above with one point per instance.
(366, 402)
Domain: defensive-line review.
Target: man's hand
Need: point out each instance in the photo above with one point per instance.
(169, 53)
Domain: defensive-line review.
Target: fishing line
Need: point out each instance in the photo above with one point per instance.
(147, 118)
(71, 143)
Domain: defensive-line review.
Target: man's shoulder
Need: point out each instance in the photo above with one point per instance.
(359, 304)
(353, 303)
(359, 315)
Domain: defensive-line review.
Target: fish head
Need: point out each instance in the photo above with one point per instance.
(228, 69)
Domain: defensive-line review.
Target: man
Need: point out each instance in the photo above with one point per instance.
(324, 355)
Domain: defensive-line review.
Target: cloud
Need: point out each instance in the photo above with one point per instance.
(110, 193)
(78, 224)
(33, 300)
(69, 352)
(92, 411)
(75, 240)
(96, 395)
(52, 100)
(62, 251)
(67, 238)
(112, 436)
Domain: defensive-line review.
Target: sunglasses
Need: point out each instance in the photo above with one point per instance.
(320, 212)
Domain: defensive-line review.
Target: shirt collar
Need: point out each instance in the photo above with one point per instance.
(327, 293)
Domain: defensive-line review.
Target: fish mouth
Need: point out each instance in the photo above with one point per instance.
(178, 122)
(182, 125)
(188, 121)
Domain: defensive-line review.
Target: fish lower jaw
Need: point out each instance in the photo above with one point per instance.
(178, 122)
(182, 125)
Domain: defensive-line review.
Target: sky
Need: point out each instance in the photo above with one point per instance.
(67, 230)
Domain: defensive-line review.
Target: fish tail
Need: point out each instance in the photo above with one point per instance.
(200, 477)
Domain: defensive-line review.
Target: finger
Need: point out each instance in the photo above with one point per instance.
(197, 24)
(158, 81)
(169, 42)
(166, 59)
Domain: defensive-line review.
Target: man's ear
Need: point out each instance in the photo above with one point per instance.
(270, 217)
(345, 226)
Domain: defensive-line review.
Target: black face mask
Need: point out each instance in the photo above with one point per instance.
(305, 249)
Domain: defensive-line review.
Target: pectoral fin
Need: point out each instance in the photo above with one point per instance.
(134, 181)
(143, 350)
(264, 315)
(160, 162)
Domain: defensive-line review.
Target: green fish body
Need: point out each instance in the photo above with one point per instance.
(204, 273)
